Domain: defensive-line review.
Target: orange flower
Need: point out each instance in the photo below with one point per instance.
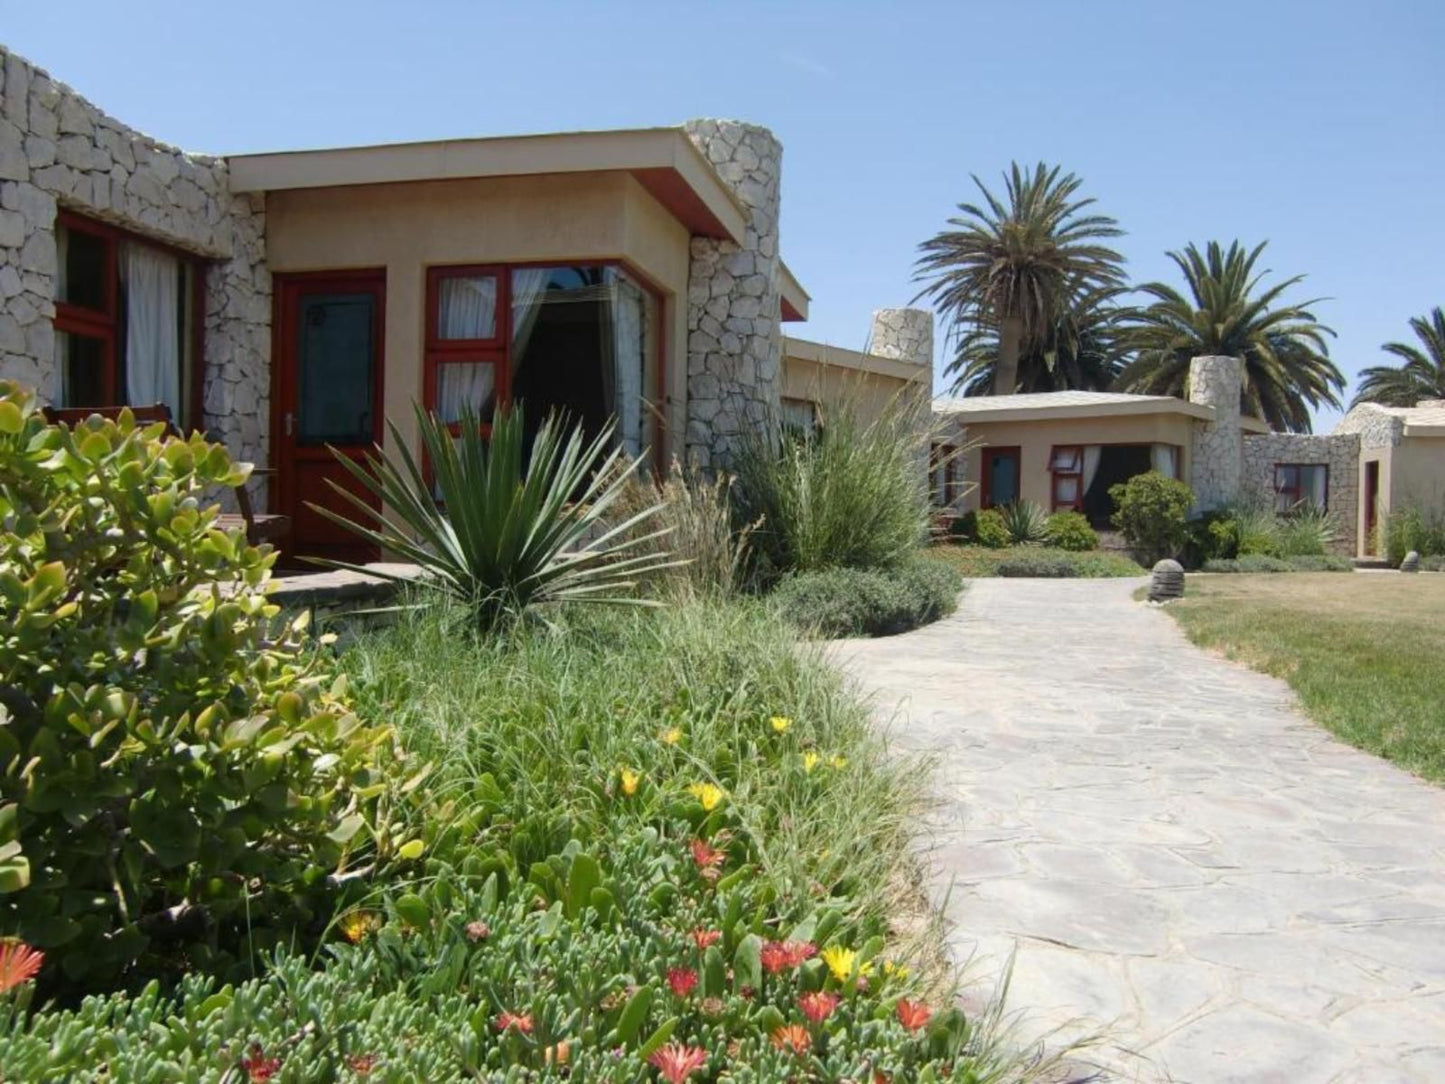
(19, 963)
(818, 1006)
(677, 1062)
(913, 1014)
(792, 1037)
(705, 856)
(258, 1067)
(781, 955)
(521, 1021)
(704, 938)
(681, 980)
(559, 1054)
(361, 1064)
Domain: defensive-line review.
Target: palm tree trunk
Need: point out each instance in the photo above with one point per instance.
(1010, 341)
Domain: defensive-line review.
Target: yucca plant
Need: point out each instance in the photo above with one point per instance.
(1306, 532)
(1025, 521)
(496, 530)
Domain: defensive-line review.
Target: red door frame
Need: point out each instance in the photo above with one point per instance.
(285, 454)
(989, 455)
(1372, 506)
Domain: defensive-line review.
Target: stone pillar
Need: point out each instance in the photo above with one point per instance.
(903, 334)
(734, 303)
(1217, 462)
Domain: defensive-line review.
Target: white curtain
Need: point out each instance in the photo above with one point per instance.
(467, 308)
(153, 349)
(628, 357)
(529, 286)
(462, 385)
(1164, 460)
(1092, 452)
(1314, 483)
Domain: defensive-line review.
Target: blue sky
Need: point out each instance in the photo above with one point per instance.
(1315, 126)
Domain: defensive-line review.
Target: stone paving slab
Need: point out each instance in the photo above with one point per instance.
(1166, 846)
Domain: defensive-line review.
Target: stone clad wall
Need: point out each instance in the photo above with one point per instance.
(734, 332)
(1377, 428)
(903, 334)
(1340, 452)
(1217, 461)
(57, 150)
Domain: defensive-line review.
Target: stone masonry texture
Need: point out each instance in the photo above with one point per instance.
(734, 335)
(903, 334)
(1218, 454)
(59, 151)
(1340, 452)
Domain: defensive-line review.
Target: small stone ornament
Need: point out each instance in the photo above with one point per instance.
(1411, 563)
(1166, 582)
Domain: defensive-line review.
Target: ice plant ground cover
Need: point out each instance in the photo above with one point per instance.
(629, 871)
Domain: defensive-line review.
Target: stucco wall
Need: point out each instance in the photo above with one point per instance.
(1037, 439)
(407, 227)
(868, 393)
(57, 150)
(1339, 452)
(1417, 473)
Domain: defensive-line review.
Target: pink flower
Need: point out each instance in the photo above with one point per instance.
(682, 980)
(258, 1067)
(19, 963)
(818, 1006)
(677, 1062)
(521, 1021)
(704, 938)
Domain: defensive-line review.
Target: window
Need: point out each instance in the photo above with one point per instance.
(945, 467)
(1066, 463)
(800, 415)
(127, 321)
(1301, 485)
(579, 340)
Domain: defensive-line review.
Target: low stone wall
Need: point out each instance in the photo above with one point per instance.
(1340, 452)
(59, 151)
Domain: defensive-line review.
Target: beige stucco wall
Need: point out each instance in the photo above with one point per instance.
(869, 393)
(1036, 440)
(1412, 472)
(407, 227)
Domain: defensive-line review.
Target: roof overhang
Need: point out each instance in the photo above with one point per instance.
(823, 354)
(1251, 424)
(1418, 429)
(795, 298)
(1145, 406)
(663, 160)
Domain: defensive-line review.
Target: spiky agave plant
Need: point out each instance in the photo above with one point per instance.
(1025, 521)
(496, 530)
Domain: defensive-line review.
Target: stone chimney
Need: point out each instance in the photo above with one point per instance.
(1217, 460)
(734, 300)
(903, 334)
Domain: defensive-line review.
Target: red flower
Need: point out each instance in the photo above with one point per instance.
(800, 952)
(682, 980)
(521, 1021)
(780, 955)
(706, 856)
(913, 1014)
(704, 938)
(818, 1006)
(792, 1037)
(19, 963)
(361, 1064)
(258, 1066)
(677, 1062)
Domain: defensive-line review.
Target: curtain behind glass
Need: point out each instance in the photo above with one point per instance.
(462, 385)
(529, 288)
(1092, 454)
(467, 308)
(1163, 460)
(628, 358)
(153, 354)
(1314, 484)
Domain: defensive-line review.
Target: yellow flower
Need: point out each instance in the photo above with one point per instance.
(840, 961)
(629, 781)
(672, 735)
(810, 760)
(780, 723)
(359, 925)
(708, 795)
(894, 971)
(837, 762)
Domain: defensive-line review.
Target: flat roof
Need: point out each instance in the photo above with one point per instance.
(1065, 404)
(663, 160)
(823, 354)
(795, 298)
(1425, 419)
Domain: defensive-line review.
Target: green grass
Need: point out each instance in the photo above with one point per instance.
(980, 561)
(1362, 651)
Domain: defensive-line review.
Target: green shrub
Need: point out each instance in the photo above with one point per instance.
(964, 526)
(869, 602)
(500, 526)
(1321, 562)
(1411, 527)
(177, 778)
(853, 495)
(1433, 563)
(1025, 521)
(1071, 531)
(980, 562)
(1257, 532)
(1249, 562)
(1152, 512)
(1027, 563)
(1306, 532)
(991, 531)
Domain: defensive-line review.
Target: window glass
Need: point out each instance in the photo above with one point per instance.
(1067, 460)
(467, 307)
(335, 362)
(1066, 489)
(83, 264)
(799, 414)
(463, 386)
(80, 360)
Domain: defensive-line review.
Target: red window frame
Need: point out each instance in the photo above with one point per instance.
(497, 350)
(1296, 493)
(102, 323)
(1057, 475)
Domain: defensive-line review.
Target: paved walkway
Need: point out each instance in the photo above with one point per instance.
(1174, 851)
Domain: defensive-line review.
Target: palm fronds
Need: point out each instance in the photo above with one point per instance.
(1421, 374)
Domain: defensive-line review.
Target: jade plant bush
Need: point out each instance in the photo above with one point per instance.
(177, 778)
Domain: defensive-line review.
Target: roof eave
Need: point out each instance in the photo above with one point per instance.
(795, 298)
(1064, 412)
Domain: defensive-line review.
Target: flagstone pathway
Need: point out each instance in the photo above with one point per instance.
(1173, 851)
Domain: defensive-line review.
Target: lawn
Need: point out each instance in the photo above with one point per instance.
(980, 561)
(1362, 651)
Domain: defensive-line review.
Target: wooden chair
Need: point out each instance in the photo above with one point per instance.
(259, 526)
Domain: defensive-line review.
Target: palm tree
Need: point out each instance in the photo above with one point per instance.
(1287, 368)
(1080, 351)
(1014, 269)
(1422, 376)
